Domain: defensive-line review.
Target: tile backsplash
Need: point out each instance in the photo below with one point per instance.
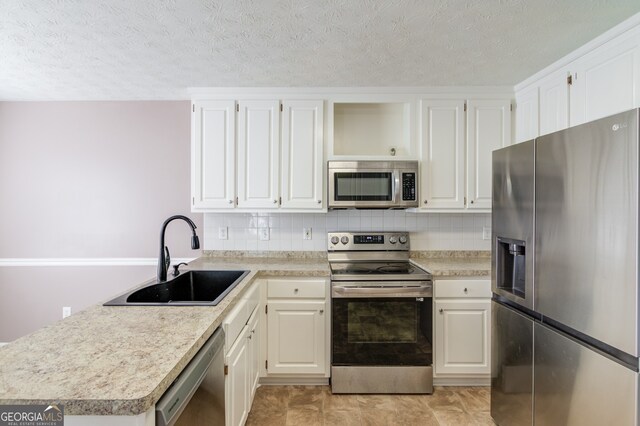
(429, 231)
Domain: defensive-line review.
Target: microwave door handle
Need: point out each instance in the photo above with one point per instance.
(395, 187)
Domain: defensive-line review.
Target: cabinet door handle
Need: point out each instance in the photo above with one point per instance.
(295, 290)
(425, 201)
(465, 290)
(230, 201)
(275, 201)
(321, 311)
(319, 201)
(471, 201)
(441, 311)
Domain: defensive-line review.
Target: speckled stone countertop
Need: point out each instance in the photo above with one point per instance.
(455, 263)
(119, 360)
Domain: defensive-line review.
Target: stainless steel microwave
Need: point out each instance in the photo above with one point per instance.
(373, 184)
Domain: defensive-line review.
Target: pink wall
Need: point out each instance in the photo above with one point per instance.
(85, 180)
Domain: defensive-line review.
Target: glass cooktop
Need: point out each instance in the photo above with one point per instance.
(371, 269)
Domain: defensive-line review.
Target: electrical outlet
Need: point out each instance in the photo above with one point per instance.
(263, 234)
(306, 233)
(223, 233)
(66, 311)
(486, 233)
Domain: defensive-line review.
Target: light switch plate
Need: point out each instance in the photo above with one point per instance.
(223, 233)
(486, 233)
(263, 234)
(66, 311)
(306, 233)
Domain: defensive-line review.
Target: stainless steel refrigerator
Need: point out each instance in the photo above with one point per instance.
(565, 277)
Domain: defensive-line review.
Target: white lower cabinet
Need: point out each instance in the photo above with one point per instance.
(462, 328)
(296, 337)
(297, 327)
(237, 387)
(291, 340)
(242, 354)
(254, 353)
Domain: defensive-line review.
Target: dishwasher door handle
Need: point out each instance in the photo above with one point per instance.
(177, 397)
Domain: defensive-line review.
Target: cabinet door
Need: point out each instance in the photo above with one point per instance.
(606, 81)
(237, 381)
(296, 333)
(488, 128)
(302, 154)
(213, 140)
(254, 354)
(442, 154)
(258, 154)
(527, 115)
(554, 103)
(463, 336)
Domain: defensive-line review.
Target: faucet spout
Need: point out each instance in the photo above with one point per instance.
(163, 258)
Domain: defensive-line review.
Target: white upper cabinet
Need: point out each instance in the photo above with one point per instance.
(488, 128)
(527, 115)
(213, 155)
(258, 154)
(302, 154)
(554, 103)
(606, 81)
(456, 151)
(442, 165)
(599, 79)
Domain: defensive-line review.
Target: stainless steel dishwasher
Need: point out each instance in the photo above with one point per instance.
(196, 397)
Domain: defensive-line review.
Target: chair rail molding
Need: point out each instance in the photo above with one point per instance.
(85, 261)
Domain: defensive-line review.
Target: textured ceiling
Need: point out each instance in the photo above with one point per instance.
(155, 49)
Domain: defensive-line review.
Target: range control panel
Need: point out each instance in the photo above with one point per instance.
(368, 239)
(363, 241)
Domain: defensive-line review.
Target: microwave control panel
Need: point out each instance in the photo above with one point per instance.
(409, 186)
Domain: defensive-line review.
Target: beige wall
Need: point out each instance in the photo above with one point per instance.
(86, 180)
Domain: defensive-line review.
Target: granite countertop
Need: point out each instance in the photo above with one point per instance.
(455, 264)
(119, 360)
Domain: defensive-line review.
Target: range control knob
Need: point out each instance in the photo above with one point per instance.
(403, 239)
(393, 239)
(335, 240)
(344, 240)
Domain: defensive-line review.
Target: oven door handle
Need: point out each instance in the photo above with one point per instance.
(381, 291)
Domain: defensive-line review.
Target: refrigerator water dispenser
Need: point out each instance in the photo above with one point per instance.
(511, 255)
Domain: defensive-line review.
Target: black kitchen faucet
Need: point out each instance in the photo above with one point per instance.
(164, 260)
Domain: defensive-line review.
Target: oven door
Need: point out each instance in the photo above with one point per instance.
(382, 324)
(362, 188)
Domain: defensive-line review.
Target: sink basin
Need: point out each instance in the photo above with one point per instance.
(191, 288)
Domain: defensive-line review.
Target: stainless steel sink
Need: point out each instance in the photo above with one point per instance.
(191, 288)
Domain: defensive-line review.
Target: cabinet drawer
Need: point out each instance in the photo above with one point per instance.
(239, 315)
(297, 289)
(463, 288)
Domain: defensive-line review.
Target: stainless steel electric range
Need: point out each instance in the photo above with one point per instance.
(381, 315)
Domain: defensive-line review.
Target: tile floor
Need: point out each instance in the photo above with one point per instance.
(315, 405)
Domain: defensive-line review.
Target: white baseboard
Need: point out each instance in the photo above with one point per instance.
(462, 381)
(309, 381)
